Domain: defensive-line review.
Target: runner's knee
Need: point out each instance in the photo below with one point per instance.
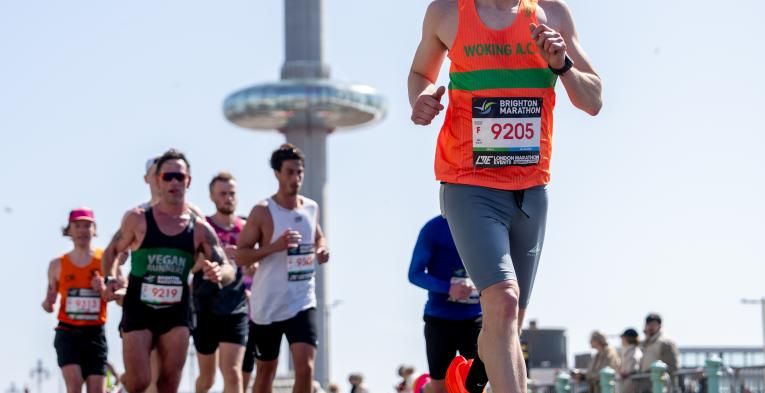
(267, 369)
(137, 383)
(231, 374)
(205, 381)
(168, 383)
(304, 370)
(501, 301)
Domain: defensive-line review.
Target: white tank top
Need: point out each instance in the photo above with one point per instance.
(284, 283)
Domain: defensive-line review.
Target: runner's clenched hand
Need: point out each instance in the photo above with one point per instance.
(427, 107)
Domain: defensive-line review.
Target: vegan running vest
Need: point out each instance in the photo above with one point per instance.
(160, 266)
(80, 304)
(498, 127)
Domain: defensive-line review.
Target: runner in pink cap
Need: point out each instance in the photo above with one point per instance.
(75, 282)
(81, 214)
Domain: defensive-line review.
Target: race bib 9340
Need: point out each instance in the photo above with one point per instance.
(300, 262)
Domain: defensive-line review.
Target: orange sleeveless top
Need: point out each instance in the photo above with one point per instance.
(498, 127)
(80, 304)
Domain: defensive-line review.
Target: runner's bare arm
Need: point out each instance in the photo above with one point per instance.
(582, 83)
(429, 56)
(216, 267)
(120, 243)
(51, 292)
(322, 252)
(250, 248)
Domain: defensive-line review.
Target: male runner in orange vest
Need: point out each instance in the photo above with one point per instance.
(493, 152)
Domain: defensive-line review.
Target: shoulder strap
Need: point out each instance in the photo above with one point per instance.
(152, 229)
(64, 265)
(151, 223)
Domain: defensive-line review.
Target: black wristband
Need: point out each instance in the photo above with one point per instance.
(567, 64)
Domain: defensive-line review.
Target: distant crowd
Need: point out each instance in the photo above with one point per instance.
(635, 357)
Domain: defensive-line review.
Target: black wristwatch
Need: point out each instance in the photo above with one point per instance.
(567, 64)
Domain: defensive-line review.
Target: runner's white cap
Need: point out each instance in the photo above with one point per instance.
(150, 162)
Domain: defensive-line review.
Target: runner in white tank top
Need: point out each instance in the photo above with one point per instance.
(283, 237)
(284, 283)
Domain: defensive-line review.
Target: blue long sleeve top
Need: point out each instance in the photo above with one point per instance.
(434, 262)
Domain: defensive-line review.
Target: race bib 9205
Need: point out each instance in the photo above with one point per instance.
(506, 131)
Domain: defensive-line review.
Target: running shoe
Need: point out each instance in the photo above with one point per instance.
(456, 375)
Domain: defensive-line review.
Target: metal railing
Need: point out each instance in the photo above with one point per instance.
(748, 379)
(713, 378)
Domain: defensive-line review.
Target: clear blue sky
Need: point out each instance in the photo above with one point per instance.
(656, 204)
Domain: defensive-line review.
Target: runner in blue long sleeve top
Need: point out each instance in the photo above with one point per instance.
(452, 313)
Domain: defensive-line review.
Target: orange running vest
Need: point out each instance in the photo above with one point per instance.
(80, 304)
(498, 127)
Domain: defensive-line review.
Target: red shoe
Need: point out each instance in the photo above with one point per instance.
(456, 375)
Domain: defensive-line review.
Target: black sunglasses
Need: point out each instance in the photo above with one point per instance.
(170, 176)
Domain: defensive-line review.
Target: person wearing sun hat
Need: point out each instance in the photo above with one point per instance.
(631, 356)
(77, 278)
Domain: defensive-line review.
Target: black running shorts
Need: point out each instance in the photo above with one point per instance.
(268, 338)
(84, 346)
(212, 329)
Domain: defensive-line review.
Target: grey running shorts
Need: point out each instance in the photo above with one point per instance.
(498, 233)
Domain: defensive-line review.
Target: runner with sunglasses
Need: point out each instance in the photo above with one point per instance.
(152, 180)
(168, 242)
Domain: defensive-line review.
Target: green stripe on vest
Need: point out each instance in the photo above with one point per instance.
(529, 78)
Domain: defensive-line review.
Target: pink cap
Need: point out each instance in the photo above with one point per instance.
(82, 214)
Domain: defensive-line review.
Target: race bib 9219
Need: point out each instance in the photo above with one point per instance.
(162, 290)
(506, 131)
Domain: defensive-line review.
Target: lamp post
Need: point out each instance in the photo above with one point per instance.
(39, 374)
(761, 302)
